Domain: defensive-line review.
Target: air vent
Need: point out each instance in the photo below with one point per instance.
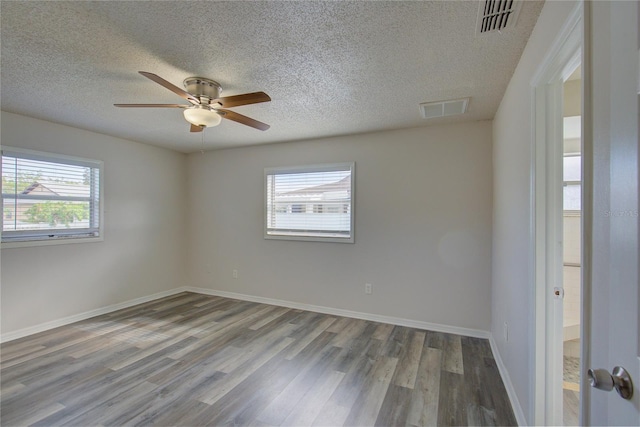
(453, 107)
(497, 15)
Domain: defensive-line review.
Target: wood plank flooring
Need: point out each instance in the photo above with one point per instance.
(195, 360)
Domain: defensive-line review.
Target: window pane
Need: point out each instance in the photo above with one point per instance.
(572, 170)
(571, 200)
(313, 203)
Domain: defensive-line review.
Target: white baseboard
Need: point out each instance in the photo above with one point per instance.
(20, 333)
(511, 392)
(10, 336)
(477, 333)
(571, 332)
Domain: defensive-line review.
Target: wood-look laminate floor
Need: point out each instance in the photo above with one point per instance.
(196, 360)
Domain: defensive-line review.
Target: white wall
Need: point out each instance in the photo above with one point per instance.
(512, 289)
(143, 251)
(572, 98)
(422, 230)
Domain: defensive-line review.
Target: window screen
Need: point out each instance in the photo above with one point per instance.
(48, 197)
(310, 203)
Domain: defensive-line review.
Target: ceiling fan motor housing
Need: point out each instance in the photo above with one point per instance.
(202, 87)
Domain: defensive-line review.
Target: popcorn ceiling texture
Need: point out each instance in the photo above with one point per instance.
(331, 68)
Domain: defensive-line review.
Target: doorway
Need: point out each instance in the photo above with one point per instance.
(572, 247)
(554, 260)
(607, 34)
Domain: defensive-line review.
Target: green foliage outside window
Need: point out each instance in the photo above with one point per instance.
(55, 213)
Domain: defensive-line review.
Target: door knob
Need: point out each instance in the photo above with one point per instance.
(619, 379)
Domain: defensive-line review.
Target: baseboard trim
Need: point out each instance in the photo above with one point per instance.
(21, 333)
(506, 379)
(571, 332)
(10, 336)
(477, 333)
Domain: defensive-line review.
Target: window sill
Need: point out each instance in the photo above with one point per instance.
(50, 242)
(309, 238)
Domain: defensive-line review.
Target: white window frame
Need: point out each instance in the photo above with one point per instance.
(268, 234)
(19, 239)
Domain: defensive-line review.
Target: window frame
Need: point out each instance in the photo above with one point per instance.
(328, 167)
(30, 238)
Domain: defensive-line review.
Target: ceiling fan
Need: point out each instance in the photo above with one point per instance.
(206, 107)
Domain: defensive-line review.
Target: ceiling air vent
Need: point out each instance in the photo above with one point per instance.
(497, 15)
(453, 107)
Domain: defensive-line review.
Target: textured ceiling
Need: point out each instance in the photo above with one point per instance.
(331, 68)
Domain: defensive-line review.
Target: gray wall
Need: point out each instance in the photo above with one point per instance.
(422, 228)
(144, 240)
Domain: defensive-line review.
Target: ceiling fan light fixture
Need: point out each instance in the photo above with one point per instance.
(200, 116)
(204, 95)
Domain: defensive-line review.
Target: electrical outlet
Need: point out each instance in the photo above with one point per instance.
(368, 289)
(506, 331)
(235, 274)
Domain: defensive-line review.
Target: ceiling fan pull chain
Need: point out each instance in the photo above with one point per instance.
(202, 150)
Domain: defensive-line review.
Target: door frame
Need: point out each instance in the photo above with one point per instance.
(564, 55)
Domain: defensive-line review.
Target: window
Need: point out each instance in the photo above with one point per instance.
(310, 203)
(48, 197)
(572, 176)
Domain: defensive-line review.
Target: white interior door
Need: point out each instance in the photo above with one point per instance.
(611, 132)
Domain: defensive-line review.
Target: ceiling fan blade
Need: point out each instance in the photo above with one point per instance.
(239, 118)
(244, 99)
(152, 105)
(173, 88)
(196, 128)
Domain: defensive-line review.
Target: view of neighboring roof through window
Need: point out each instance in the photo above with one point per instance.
(49, 197)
